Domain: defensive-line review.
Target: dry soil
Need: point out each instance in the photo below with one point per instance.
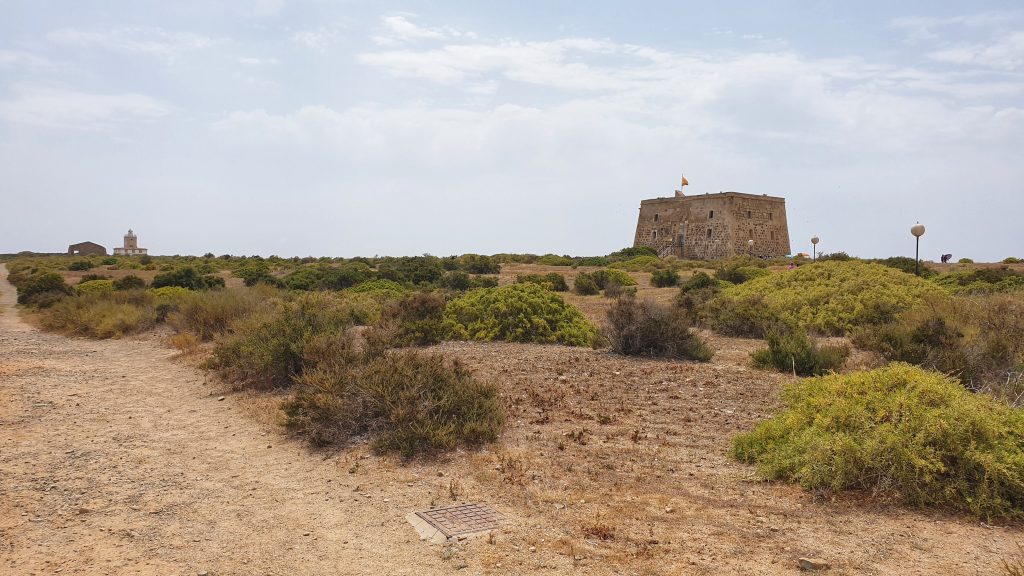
(117, 457)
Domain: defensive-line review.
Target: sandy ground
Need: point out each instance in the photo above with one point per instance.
(118, 458)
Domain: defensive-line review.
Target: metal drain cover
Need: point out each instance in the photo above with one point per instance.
(443, 524)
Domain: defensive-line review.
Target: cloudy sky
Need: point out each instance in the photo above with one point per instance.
(311, 127)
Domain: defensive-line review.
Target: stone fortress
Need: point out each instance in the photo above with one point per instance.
(131, 246)
(709, 226)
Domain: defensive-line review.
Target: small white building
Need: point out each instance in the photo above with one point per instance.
(131, 246)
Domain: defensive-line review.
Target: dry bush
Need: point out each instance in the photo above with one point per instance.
(600, 530)
(407, 402)
(414, 320)
(210, 313)
(271, 348)
(791, 350)
(647, 328)
(102, 315)
(185, 342)
(980, 339)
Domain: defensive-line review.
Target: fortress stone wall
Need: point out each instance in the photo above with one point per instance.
(714, 225)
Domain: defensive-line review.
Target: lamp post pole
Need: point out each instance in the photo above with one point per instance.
(814, 248)
(917, 230)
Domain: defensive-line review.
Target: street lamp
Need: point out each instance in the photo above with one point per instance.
(814, 249)
(750, 247)
(917, 230)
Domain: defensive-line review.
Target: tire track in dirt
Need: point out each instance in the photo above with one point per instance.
(114, 459)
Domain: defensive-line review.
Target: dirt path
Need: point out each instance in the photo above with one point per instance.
(114, 459)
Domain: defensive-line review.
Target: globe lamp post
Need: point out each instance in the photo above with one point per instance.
(917, 230)
(814, 248)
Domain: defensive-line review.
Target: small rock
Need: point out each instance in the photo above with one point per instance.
(84, 510)
(813, 564)
(533, 548)
(220, 398)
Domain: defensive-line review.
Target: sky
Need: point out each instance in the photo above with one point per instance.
(310, 127)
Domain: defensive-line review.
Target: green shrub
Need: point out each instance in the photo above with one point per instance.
(477, 264)
(896, 431)
(187, 277)
(407, 402)
(698, 281)
(633, 252)
(647, 328)
(170, 293)
(554, 260)
(906, 264)
(254, 273)
(129, 282)
(640, 264)
(484, 282)
(80, 265)
(793, 351)
(382, 289)
(88, 277)
(1012, 260)
(456, 280)
(982, 281)
(94, 287)
(42, 289)
(591, 261)
(979, 340)
(748, 316)
(269, 350)
(415, 270)
(109, 261)
(740, 274)
(965, 261)
(695, 292)
(552, 281)
(836, 257)
(826, 297)
(665, 278)
(602, 278)
(518, 313)
(585, 285)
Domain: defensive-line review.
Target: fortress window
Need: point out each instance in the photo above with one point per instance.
(709, 233)
(711, 214)
(769, 215)
(655, 217)
(752, 234)
(654, 234)
(773, 234)
(748, 213)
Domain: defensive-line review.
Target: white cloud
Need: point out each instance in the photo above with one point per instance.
(398, 29)
(1003, 53)
(55, 108)
(20, 59)
(267, 8)
(145, 40)
(257, 62)
(927, 28)
(319, 39)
